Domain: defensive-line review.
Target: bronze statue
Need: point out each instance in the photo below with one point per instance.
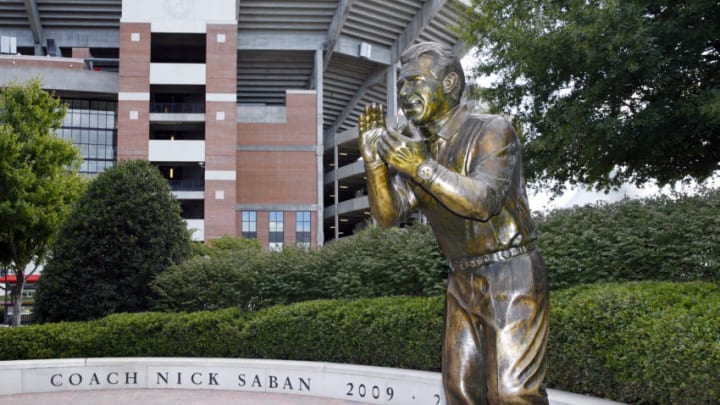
(463, 171)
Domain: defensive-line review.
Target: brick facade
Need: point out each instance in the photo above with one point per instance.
(258, 166)
(134, 77)
(299, 129)
(277, 165)
(220, 130)
(270, 177)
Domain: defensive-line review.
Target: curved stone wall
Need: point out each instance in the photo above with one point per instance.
(365, 384)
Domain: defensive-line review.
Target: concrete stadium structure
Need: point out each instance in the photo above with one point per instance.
(248, 107)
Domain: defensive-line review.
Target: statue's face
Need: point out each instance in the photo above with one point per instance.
(420, 93)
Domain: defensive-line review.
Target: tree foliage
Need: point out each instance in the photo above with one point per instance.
(605, 91)
(124, 230)
(38, 178)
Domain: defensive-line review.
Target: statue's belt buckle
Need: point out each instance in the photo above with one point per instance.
(464, 264)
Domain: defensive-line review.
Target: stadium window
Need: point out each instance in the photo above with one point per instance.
(302, 228)
(249, 224)
(277, 234)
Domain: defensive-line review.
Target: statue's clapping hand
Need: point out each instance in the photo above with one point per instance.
(371, 126)
(405, 153)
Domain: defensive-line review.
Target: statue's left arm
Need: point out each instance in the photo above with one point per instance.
(490, 159)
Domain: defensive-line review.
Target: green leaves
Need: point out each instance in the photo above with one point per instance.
(38, 176)
(639, 342)
(124, 231)
(653, 239)
(644, 342)
(38, 173)
(601, 87)
(373, 263)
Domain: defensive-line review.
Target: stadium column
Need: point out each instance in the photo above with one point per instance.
(221, 131)
(317, 232)
(133, 91)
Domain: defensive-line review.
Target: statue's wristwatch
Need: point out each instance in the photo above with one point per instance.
(425, 171)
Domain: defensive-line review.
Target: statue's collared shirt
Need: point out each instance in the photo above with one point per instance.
(475, 201)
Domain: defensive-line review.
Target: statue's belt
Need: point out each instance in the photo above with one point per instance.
(468, 263)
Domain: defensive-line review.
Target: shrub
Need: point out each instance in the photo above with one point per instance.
(287, 276)
(645, 342)
(124, 230)
(393, 332)
(224, 244)
(653, 239)
(382, 262)
(199, 334)
(373, 263)
(207, 283)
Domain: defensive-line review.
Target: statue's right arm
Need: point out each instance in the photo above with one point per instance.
(390, 197)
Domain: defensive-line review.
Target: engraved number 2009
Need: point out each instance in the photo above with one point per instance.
(362, 391)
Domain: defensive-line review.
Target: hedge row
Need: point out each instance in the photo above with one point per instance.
(374, 263)
(638, 342)
(653, 239)
(647, 342)
(660, 238)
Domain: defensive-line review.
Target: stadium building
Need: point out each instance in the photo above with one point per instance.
(249, 108)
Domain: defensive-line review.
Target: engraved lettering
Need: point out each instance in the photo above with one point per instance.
(361, 390)
(241, 380)
(287, 384)
(179, 379)
(56, 383)
(111, 382)
(256, 382)
(304, 383)
(162, 377)
(192, 378)
(273, 382)
(213, 381)
(94, 380)
(75, 379)
(129, 376)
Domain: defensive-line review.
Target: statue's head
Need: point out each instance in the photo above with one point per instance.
(430, 83)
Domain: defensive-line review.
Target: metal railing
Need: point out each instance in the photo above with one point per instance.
(187, 185)
(184, 108)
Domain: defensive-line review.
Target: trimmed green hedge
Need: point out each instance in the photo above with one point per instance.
(658, 238)
(645, 342)
(393, 332)
(374, 263)
(653, 239)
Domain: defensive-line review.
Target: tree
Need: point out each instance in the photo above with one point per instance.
(124, 230)
(39, 181)
(605, 91)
